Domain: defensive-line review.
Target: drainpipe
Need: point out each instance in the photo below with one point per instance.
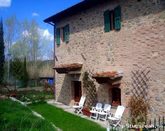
(55, 58)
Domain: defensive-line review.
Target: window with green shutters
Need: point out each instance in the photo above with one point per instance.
(117, 13)
(107, 25)
(112, 19)
(58, 36)
(66, 33)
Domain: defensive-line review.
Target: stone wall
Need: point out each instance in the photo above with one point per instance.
(138, 45)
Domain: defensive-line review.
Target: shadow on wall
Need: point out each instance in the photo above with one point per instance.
(103, 94)
(66, 91)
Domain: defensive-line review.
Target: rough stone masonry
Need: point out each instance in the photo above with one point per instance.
(138, 45)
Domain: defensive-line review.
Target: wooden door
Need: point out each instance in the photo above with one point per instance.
(116, 96)
(77, 90)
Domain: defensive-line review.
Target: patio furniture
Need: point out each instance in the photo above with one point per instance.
(95, 111)
(79, 106)
(105, 112)
(115, 120)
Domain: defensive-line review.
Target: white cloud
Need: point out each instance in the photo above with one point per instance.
(5, 3)
(45, 34)
(13, 42)
(35, 14)
(25, 33)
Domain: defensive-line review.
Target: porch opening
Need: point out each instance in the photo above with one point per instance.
(115, 96)
(77, 91)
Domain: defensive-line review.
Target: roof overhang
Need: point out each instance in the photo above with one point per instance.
(108, 77)
(85, 4)
(66, 68)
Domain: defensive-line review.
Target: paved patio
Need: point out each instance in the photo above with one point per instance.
(71, 110)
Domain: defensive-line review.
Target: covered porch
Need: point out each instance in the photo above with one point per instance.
(71, 85)
(109, 90)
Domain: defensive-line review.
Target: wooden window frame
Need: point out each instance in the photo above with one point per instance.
(114, 18)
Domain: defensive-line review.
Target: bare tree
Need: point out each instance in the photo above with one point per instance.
(28, 43)
(11, 32)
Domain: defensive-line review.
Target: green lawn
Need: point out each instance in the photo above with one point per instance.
(64, 120)
(15, 117)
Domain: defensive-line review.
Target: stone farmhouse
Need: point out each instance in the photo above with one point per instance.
(120, 43)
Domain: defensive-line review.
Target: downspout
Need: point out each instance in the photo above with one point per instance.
(54, 63)
(54, 30)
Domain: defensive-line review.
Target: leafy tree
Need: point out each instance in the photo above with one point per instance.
(2, 54)
(17, 68)
(25, 76)
(19, 71)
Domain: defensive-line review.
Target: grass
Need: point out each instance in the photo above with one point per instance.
(64, 120)
(15, 117)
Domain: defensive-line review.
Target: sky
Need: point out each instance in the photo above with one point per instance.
(35, 9)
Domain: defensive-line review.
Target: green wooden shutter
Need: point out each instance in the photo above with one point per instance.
(111, 15)
(63, 29)
(66, 33)
(117, 20)
(107, 25)
(58, 36)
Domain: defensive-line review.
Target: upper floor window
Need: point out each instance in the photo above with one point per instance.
(62, 34)
(112, 19)
(66, 33)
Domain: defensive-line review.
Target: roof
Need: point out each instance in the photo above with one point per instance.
(108, 77)
(106, 74)
(85, 4)
(65, 68)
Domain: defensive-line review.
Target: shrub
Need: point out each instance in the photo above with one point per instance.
(138, 110)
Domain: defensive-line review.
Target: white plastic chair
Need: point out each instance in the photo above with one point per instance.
(95, 111)
(115, 120)
(103, 114)
(78, 108)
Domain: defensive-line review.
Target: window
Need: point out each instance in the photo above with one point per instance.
(66, 33)
(112, 19)
(62, 34)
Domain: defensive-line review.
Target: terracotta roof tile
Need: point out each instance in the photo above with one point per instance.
(106, 74)
(73, 65)
(65, 68)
